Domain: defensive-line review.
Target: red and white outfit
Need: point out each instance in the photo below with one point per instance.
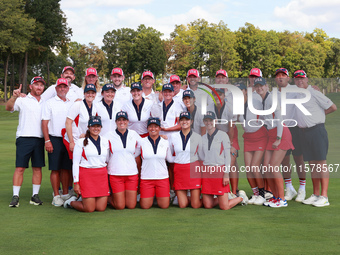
(89, 167)
(138, 116)
(216, 151)
(122, 167)
(186, 153)
(154, 174)
(169, 116)
(107, 114)
(275, 128)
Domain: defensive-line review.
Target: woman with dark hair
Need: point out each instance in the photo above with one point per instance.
(89, 170)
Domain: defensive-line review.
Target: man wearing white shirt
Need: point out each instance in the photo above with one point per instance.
(147, 82)
(178, 92)
(29, 138)
(315, 139)
(122, 92)
(53, 121)
(74, 92)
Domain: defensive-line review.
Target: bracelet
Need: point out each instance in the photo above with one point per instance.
(76, 183)
(47, 141)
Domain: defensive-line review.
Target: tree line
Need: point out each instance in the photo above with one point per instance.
(35, 40)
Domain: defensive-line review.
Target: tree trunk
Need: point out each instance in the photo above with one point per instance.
(24, 80)
(12, 76)
(5, 81)
(20, 69)
(48, 72)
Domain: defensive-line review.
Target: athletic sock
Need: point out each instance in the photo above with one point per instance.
(288, 183)
(16, 190)
(36, 189)
(261, 192)
(302, 184)
(255, 191)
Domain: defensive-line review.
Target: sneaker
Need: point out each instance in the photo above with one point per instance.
(35, 200)
(268, 195)
(321, 202)
(271, 200)
(80, 198)
(66, 197)
(138, 197)
(310, 200)
(245, 199)
(279, 203)
(231, 195)
(259, 200)
(71, 192)
(175, 201)
(67, 203)
(14, 202)
(252, 199)
(57, 201)
(172, 194)
(301, 195)
(290, 193)
(188, 193)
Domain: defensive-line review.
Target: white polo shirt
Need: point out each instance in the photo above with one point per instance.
(152, 97)
(316, 106)
(138, 124)
(29, 116)
(199, 93)
(154, 166)
(88, 156)
(276, 115)
(170, 119)
(250, 121)
(197, 118)
(108, 124)
(80, 116)
(73, 93)
(122, 161)
(55, 110)
(226, 115)
(179, 99)
(218, 154)
(192, 147)
(122, 95)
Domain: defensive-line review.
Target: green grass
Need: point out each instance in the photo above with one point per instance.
(296, 229)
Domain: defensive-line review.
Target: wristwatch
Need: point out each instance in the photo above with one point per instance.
(278, 138)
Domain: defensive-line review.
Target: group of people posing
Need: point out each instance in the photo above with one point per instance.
(117, 145)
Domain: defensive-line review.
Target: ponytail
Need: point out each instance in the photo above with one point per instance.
(87, 135)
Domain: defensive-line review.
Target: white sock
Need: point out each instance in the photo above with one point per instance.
(36, 189)
(16, 190)
(302, 184)
(288, 183)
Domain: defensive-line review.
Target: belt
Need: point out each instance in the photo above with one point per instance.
(314, 127)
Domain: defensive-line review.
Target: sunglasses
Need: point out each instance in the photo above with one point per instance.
(299, 74)
(36, 79)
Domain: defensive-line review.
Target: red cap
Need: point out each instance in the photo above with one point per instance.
(147, 73)
(90, 71)
(68, 67)
(62, 81)
(117, 70)
(223, 72)
(256, 72)
(193, 72)
(174, 78)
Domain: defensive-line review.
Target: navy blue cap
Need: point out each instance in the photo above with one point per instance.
(209, 115)
(188, 93)
(220, 90)
(122, 114)
(154, 120)
(241, 86)
(136, 85)
(168, 86)
(95, 120)
(185, 115)
(108, 86)
(90, 87)
(260, 80)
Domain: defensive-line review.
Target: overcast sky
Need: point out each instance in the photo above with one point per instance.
(91, 19)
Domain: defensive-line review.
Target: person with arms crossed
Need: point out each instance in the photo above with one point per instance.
(314, 139)
(29, 138)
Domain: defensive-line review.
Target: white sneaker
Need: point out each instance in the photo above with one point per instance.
(66, 197)
(310, 200)
(57, 201)
(301, 195)
(80, 198)
(138, 197)
(290, 193)
(231, 195)
(268, 195)
(271, 200)
(175, 201)
(72, 192)
(278, 203)
(188, 193)
(245, 199)
(252, 199)
(172, 194)
(259, 200)
(321, 202)
(67, 203)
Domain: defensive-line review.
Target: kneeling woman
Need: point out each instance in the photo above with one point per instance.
(216, 150)
(89, 170)
(186, 146)
(154, 175)
(122, 167)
